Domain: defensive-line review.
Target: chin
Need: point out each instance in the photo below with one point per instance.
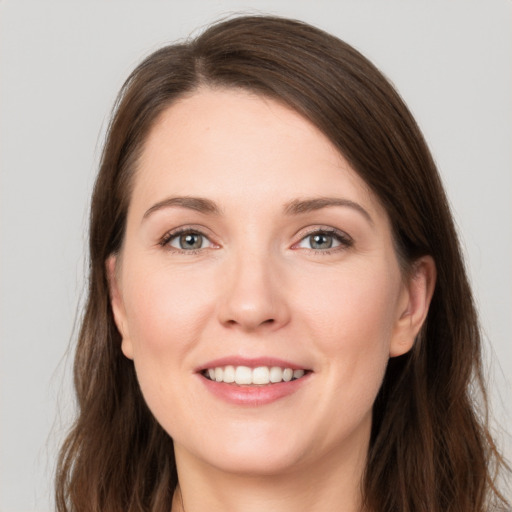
(250, 453)
(255, 462)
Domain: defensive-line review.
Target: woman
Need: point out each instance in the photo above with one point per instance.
(278, 313)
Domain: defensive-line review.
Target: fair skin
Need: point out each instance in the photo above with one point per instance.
(250, 242)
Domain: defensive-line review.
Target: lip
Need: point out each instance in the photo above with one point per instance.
(250, 362)
(252, 395)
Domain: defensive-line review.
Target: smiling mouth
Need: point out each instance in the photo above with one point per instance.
(244, 375)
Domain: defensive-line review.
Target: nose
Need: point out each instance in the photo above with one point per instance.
(254, 294)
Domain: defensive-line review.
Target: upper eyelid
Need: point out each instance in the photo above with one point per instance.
(172, 233)
(192, 228)
(322, 229)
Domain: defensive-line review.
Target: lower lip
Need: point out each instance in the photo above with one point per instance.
(253, 395)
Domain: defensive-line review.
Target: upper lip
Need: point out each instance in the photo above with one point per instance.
(251, 363)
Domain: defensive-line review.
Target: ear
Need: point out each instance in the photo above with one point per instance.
(413, 305)
(117, 304)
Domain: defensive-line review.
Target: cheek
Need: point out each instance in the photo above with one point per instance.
(357, 305)
(166, 310)
(351, 321)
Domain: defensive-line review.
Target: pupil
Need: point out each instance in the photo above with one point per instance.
(191, 241)
(321, 241)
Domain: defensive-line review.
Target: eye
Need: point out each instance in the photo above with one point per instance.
(323, 240)
(186, 241)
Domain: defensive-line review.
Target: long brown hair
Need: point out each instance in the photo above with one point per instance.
(430, 449)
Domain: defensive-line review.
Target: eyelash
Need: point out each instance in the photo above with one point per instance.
(171, 235)
(345, 241)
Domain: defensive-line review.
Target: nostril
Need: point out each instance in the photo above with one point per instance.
(269, 321)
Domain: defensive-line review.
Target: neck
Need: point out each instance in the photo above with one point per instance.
(325, 487)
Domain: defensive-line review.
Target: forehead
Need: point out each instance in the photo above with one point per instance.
(231, 144)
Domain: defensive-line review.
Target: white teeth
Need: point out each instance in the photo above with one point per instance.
(229, 374)
(261, 375)
(297, 374)
(243, 375)
(276, 374)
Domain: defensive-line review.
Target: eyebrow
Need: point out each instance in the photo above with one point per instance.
(295, 207)
(299, 206)
(198, 204)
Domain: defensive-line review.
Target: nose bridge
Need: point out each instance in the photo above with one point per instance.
(252, 296)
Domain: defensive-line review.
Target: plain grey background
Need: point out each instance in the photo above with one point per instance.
(61, 65)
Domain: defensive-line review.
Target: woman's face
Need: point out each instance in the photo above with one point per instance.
(254, 253)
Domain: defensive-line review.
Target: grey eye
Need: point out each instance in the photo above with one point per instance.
(321, 241)
(187, 241)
